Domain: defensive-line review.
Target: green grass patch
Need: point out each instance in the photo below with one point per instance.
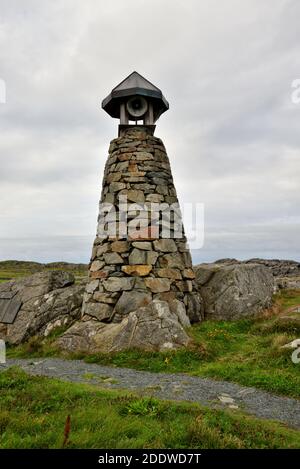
(33, 413)
(7, 275)
(248, 352)
(288, 298)
(12, 270)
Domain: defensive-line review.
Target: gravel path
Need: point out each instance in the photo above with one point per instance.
(181, 387)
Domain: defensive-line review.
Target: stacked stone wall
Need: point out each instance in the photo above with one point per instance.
(140, 254)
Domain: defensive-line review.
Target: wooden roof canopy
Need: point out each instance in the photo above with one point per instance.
(135, 85)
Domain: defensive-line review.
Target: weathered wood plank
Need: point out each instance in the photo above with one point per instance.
(9, 308)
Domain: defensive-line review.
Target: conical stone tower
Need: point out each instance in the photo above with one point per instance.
(141, 290)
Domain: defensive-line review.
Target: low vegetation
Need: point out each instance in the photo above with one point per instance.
(248, 352)
(17, 269)
(34, 411)
(38, 412)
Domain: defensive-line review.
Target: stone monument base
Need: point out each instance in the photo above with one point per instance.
(141, 291)
(159, 326)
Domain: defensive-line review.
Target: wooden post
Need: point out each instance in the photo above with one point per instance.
(149, 119)
(123, 115)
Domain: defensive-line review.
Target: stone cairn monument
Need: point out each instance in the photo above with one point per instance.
(141, 290)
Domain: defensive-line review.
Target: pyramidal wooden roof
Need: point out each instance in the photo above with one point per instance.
(135, 85)
(135, 80)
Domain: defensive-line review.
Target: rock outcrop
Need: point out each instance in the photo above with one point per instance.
(285, 272)
(42, 302)
(157, 326)
(135, 312)
(279, 268)
(288, 283)
(234, 291)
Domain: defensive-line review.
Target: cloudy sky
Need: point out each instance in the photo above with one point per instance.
(232, 131)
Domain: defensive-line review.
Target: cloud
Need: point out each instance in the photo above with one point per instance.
(231, 131)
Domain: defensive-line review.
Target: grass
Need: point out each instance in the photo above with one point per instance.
(33, 413)
(288, 298)
(7, 275)
(247, 352)
(244, 357)
(10, 270)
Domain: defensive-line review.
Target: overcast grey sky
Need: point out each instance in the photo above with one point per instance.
(232, 131)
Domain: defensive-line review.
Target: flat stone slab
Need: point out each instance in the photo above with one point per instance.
(9, 307)
(179, 387)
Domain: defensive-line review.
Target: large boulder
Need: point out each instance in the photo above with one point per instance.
(278, 267)
(286, 272)
(35, 305)
(157, 326)
(234, 291)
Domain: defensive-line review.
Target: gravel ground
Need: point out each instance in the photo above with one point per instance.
(179, 387)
